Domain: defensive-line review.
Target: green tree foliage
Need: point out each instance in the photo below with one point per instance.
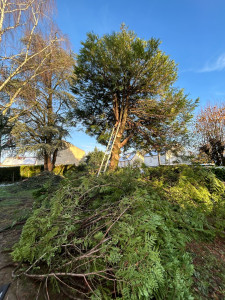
(94, 159)
(123, 235)
(44, 105)
(122, 79)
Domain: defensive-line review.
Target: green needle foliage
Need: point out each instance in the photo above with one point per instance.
(122, 78)
(123, 235)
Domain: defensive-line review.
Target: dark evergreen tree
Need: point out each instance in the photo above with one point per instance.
(121, 79)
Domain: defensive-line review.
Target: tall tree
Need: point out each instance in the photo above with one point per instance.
(6, 140)
(210, 126)
(22, 18)
(45, 103)
(123, 80)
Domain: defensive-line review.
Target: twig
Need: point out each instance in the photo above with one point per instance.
(92, 188)
(38, 291)
(25, 272)
(70, 287)
(92, 251)
(107, 231)
(42, 276)
(46, 287)
(69, 296)
(90, 287)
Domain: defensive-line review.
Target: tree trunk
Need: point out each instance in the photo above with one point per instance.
(48, 166)
(121, 118)
(117, 148)
(54, 156)
(45, 161)
(159, 161)
(115, 154)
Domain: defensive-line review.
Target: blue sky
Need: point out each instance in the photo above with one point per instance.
(191, 31)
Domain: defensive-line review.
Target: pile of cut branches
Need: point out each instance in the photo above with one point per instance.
(116, 236)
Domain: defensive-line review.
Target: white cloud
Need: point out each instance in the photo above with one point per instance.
(216, 65)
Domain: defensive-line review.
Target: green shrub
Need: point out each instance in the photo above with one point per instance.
(123, 235)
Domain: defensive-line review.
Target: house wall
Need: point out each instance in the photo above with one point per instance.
(152, 161)
(123, 164)
(167, 159)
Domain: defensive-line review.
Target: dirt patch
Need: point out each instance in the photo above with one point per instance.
(16, 202)
(19, 289)
(209, 263)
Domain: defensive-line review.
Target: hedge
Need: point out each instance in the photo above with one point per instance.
(29, 171)
(219, 172)
(12, 174)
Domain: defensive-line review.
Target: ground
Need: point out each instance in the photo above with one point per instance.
(209, 275)
(16, 203)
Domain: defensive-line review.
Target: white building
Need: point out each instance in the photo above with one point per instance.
(69, 156)
(153, 159)
(131, 159)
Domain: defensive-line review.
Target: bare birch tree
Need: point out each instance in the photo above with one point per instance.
(44, 105)
(21, 19)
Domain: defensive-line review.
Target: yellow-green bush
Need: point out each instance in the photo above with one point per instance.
(30, 171)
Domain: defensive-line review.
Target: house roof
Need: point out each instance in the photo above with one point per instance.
(153, 153)
(128, 157)
(69, 156)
